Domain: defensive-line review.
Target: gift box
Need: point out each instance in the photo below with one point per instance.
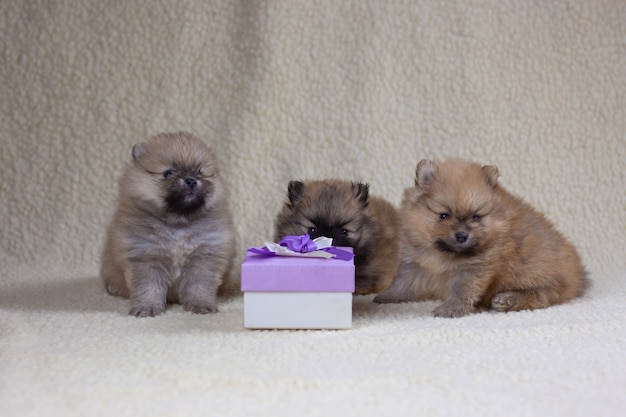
(294, 292)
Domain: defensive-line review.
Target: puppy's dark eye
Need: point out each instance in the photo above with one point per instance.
(444, 216)
(344, 231)
(168, 173)
(312, 230)
(476, 218)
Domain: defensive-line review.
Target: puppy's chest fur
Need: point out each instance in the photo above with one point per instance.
(174, 245)
(178, 245)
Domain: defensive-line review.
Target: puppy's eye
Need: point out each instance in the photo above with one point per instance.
(168, 173)
(344, 231)
(444, 216)
(476, 218)
(312, 230)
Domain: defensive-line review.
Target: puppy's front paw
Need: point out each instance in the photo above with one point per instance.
(383, 298)
(505, 301)
(393, 294)
(454, 309)
(201, 308)
(146, 311)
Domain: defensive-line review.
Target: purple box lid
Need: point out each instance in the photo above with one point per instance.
(294, 274)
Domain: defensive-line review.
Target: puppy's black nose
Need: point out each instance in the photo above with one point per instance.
(191, 183)
(461, 237)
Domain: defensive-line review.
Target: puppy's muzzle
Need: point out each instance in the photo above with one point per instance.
(461, 237)
(191, 183)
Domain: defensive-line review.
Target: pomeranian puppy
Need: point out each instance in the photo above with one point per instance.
(172, 236)
(345, 212)
(469, 242)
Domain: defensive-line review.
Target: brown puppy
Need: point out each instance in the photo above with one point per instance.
(172, 236)
(467, 241)
(345, 212)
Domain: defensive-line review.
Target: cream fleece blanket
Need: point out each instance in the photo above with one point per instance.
(299, 90)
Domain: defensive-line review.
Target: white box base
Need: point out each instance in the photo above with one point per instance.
(297, 310)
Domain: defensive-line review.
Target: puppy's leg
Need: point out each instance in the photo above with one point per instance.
(113, 272)
(115, 282)
(117, 291)
(465, 292)
(551, 290)
(524, 299)
(410, 284)
(199, 282)
(148, 289)
(365, 284)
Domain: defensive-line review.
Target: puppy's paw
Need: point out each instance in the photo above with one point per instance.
(393, 295)
(198, 308)
(117, 291)
(505, 301)
(146, 311)
(453, 310)
(385, 298)
(113, 290)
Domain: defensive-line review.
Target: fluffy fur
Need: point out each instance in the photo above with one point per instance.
(345, 212)
(467, 241)
(172, 237)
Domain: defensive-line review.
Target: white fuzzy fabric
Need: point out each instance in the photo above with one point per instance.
(294, 90)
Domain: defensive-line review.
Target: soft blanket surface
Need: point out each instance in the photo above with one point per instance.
(360, 90)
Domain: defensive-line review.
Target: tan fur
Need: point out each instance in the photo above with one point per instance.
(153, 253)
(371, 224)
(511, 259)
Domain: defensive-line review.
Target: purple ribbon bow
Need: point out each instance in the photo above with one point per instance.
(303, 244)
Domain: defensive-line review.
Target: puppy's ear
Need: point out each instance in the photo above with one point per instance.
(361, 192)
(295, 191)
(138, 150)
(491, 174)
(425, 173)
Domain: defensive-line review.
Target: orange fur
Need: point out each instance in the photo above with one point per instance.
(469, 242)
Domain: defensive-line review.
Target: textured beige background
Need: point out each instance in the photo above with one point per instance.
(358, 90)
(310, 89)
